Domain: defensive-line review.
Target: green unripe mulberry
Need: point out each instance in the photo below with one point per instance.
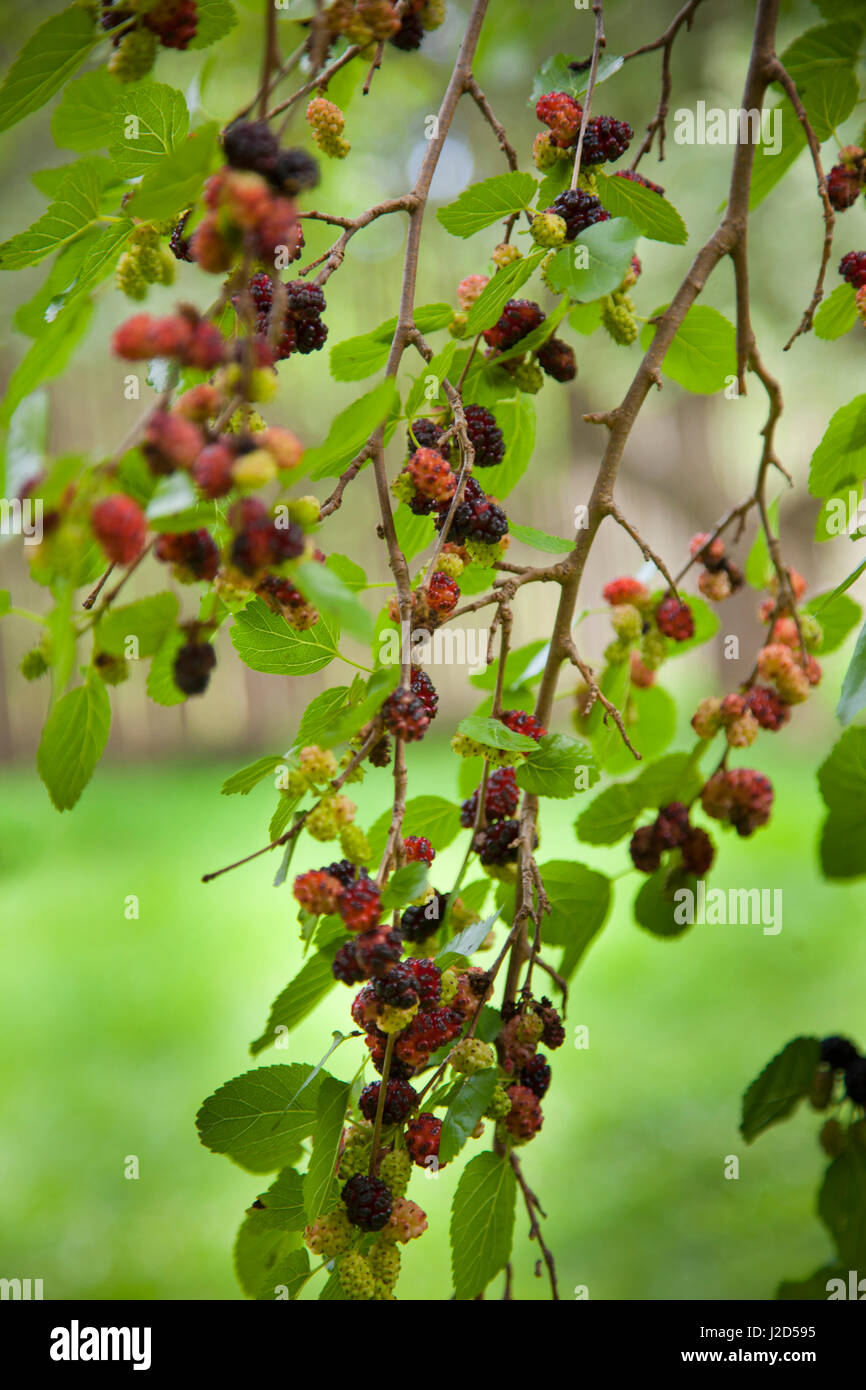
(356, 1277)
(395, 1170)
(384, 1261)
(617, 315)
(134, 56)
(330, 1235)
(472, 1055)
(627, 622)
(129, 277)
(500, 1104)
(548, 229)
(33, 664)
(355, 845)
(355, 1157)
(528, 377)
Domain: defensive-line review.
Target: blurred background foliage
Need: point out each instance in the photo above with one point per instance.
(115, 1030)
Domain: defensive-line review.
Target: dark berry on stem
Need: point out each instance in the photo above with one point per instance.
(368, 1202)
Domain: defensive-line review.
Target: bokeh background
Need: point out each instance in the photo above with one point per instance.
(115, 1030)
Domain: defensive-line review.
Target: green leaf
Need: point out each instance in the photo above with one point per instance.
(5, 602)
(814, 1289)
(148, 620)
(830, 49)
(550, 769)
(487, 202)
(260, 1117)
(351, 429)
(437, 370)
(322, 587)
(216, 18)
(842, 781)
(495, 734)
(405, 885)
(784, 1082)
(74, 208)
(264, 641)
(434, 817)
(540, 540)
(586, 318)
(174, 183)
(355, 358)
(241, 783)
(147, 123)
(840, 459)
(759, 566)
(596, 263)
(610, 816)
(772, 164)
(473, 1097)
(351, 574)
(73, 741)
(837, 314)
(702, 356)
(414, 533)
(318, 718)
(649, 212)
(482, 1223)
(838, 615)
(320, 1181)
(557, 75)
(580, 901)
(853, 696)
(299, 998)
(278, 822)
(517, 663)
(286, 1278)
(655, 907)
(161, 687)
(259, 1247)
(842, 1204)
(829, 98)
(467, 942)
(81, 118)
(47, 60)
(283, 1203)
(363, 706)
(651, 723)
(675, 777)
(502, 287)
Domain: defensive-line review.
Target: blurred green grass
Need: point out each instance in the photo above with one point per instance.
(117, 1029)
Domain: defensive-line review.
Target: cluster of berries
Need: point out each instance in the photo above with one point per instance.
(368, 22)
(671, 830)
(785, 676)
(145, 263)
(555, 358)
(605, 139)
(618, 311)
(245, 213)
(638, 617)
(720, 576)
(847, 178)
(840, 1056)
(138, 30)
(520, 722)
(526, 1027)
(853, 269)
(298, 326)
(253, 146)
(327, 123)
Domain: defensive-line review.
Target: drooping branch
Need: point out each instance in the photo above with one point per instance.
(779, 73)
(665, 42)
